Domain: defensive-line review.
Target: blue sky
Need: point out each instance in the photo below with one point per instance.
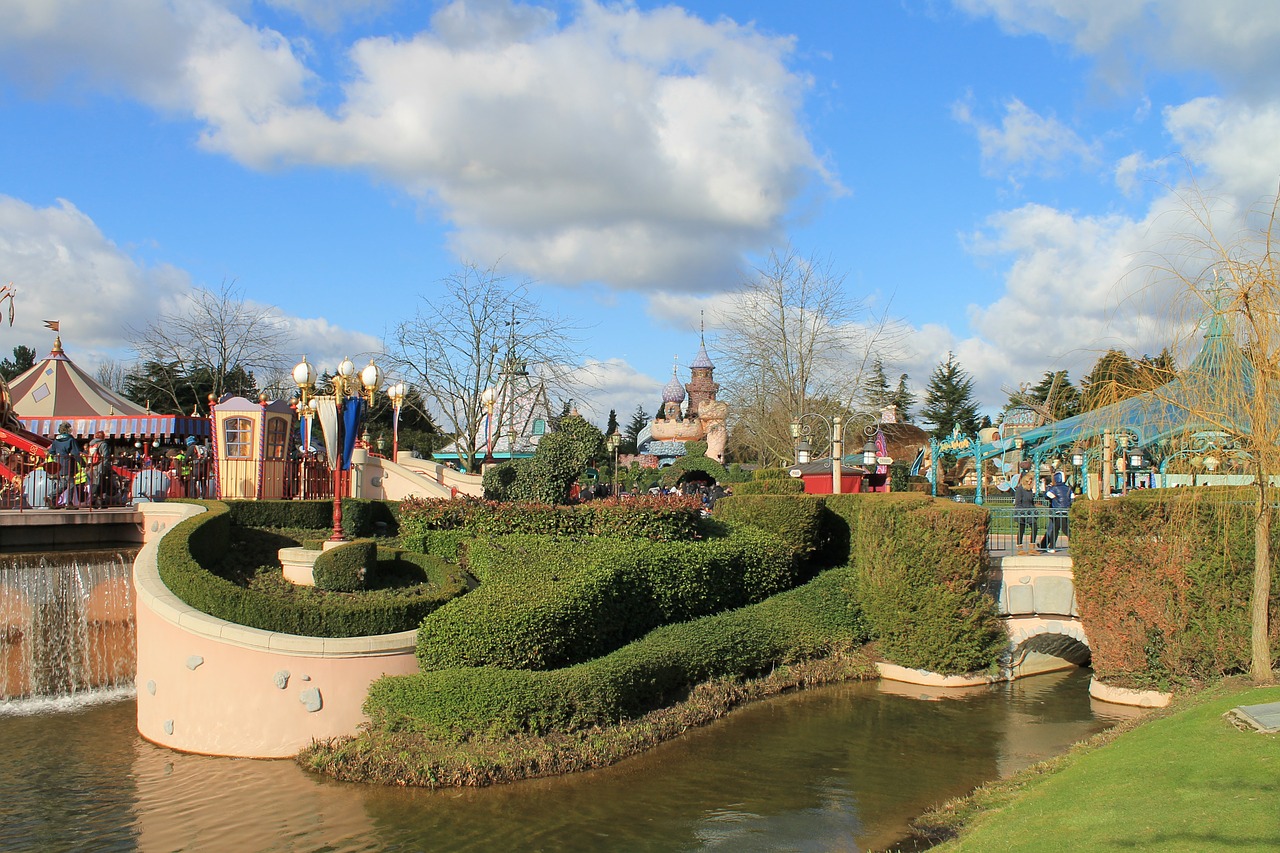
(994, 172)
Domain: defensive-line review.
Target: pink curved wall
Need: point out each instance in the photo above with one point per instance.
(212, 687)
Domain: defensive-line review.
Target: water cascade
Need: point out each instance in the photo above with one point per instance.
(66, 623)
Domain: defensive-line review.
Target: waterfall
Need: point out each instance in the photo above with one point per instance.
(66, 624)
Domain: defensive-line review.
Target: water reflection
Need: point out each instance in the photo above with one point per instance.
(842, 768)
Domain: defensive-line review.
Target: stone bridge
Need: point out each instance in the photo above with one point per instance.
(1036, 597)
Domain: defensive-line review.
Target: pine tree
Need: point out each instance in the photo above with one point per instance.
(903, 400)
(948, 400)
(1065, 402)
(876, 388)
(612, 427)
(639, 420)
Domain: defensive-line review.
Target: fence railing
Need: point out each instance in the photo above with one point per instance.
(1031, 528)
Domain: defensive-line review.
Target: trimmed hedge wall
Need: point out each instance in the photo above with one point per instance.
(789, 486)
(921, 579)
(344, 568)
(1163, 581)
(545, 602)
(359, 517)
(654, 671)
(798, 522)
(203, 540)
(667, 518)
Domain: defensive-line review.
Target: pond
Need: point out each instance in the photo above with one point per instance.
(834, 769)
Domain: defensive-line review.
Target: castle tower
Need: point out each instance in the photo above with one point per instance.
(702, 387)
(672, 397)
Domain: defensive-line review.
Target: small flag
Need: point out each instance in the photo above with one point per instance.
(51, 324)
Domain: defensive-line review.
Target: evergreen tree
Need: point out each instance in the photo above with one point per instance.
(639, 420)
(1114, 377)
(875, 389)
(903, 400)
(24, 358)
(1056, 393)
(948, 400)
(611, 427)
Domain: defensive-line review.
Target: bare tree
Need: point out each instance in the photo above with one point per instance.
(1235, 278)
(478, 330)
(795, 339)
(111, 374)
(213, 342)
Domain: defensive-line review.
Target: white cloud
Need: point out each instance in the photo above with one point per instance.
(1235, 39)
(615, 384)
(642, 149)
(66, 270)
(1236, 143)
(1025, 142)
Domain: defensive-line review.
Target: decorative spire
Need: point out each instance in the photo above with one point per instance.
(673, 392)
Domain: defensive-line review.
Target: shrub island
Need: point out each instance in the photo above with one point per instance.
(597, 631)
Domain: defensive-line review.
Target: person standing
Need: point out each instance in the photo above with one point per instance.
(1024, 510)
(1059, 495)
(99, 470)
(66, 453)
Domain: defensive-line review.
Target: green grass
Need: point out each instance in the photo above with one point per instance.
(1188, 780)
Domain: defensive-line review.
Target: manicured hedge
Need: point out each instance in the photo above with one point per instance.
(663, 518)
(359, 517)
(546, 602)
(659, 668)
(1163, 583)
(798, 521)
(921, 579)
(789, 486)
(344, 568)
(203, 540)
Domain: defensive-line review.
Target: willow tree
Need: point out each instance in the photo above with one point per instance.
(1232, 277)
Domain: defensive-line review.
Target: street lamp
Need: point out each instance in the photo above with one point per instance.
(348, 404)
(397, 393)
(613, 441)
(801, 432)
(488, 397)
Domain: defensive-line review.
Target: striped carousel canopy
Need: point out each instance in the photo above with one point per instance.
(57, 390)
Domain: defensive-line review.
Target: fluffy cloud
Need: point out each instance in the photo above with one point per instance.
(641, 149)
(64, 269)
(615, 384)
(1025, 142)
(1234, 39)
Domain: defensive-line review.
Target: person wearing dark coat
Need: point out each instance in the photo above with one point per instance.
(66, 453)
(1059, 495)
(1024, 510)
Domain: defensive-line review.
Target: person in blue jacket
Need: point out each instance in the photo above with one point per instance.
(1059, 495)
(66, 453)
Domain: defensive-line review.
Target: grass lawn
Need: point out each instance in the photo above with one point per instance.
(1187, 781)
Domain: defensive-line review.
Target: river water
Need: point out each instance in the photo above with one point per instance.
(839, 768)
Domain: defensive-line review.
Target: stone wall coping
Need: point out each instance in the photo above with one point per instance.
(1126, 696)
(153, 594)
(894, 672)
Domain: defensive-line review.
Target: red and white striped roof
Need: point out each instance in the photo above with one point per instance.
(57, 390)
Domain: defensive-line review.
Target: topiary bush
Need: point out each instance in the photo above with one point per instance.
(189, 553)
(921, 578)
(547, 602)
(805, 622)
(789, 486)
(344, 568)
(798, 521)
(359, 517)
(672, 518)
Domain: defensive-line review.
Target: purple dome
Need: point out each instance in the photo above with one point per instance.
(673, 391)
(702, 360)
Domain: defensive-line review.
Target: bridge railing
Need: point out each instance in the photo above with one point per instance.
(1012, 527)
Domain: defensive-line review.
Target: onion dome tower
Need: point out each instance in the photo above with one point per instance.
(672, 396)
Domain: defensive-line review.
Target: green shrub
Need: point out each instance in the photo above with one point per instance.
(189, 552)
(1163, 584)
(798, 521)
(789, 486)
(359, 517)
(647, 517)
(344, 568)
(771, 474)
(921, 579)
(545, 602)
(653, 671)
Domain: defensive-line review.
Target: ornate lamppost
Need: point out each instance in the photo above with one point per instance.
(489, 397)
(340, 416)
(612, 443)
(801, 432)
(396, 393)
